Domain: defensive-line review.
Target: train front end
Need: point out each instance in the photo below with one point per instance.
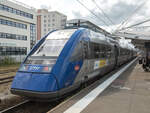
(38, 74)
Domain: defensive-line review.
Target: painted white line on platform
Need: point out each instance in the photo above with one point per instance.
(83, 103)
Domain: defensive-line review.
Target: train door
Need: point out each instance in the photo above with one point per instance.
(85, 53)
(116, 50)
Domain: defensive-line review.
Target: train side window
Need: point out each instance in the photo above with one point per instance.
(103, 51)
(108, 51)
(93, 50)
(96, 51)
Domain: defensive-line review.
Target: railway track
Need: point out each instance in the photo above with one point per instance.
(6, 79)
(8, 71)
(15, 107)
(28, 106)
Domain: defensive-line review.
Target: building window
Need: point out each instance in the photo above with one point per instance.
(44, 25)
(32, 35)
(15, 11)
(49, 20)
(13, 24)
(45, 16)
(13, 36)
(49, 25)
(13, 50)
(53, 20)
(44, 21)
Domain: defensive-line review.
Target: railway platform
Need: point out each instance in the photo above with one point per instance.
(126, 91)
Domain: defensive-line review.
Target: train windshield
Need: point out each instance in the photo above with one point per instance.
(54, 43)
(50, 48)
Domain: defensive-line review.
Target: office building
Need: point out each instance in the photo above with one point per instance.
(17, 28)
(48, 21)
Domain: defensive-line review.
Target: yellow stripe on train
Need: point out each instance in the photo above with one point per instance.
(102, 63)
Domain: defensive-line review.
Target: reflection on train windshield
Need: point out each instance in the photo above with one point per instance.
(50, 47)
(54, 43)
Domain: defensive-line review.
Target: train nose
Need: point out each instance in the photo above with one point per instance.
(35, 82)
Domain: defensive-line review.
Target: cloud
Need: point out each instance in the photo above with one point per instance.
(45, 7)
(117, 11)
(77, 14)
(120, 11)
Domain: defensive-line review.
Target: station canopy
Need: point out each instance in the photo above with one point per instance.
(139, 33)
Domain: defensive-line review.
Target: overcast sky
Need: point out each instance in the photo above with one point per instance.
(116, 10)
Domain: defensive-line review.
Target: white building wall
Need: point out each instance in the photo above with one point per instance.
(18, 31)
(19, 7)
(15, 30)
(51, 21)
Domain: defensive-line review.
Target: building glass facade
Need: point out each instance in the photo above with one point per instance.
(4, 50)
(17, 29)
(32, 35)
(12, 36)
(13, 24)
(15, 11)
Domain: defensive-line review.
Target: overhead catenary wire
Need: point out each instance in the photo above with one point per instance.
(130, 16)
(136, 10)
(103, 12)
(92, 13)
(133, 25)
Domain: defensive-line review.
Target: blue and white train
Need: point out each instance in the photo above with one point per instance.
(64, 59)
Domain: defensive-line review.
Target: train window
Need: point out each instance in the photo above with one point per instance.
(50, 48)
(102, 51)
(108, 51)
(97, 50)
(54, 43)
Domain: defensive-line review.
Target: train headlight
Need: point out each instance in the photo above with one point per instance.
(47, 69)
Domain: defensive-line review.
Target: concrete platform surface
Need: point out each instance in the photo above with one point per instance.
(129, 93)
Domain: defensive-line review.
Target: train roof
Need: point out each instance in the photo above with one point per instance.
(94, 37)
(97, 37)
(101, 38)
(61, 34)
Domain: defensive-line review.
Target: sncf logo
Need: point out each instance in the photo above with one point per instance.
(34, 68)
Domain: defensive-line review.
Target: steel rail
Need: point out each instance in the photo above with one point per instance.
(15, 107)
